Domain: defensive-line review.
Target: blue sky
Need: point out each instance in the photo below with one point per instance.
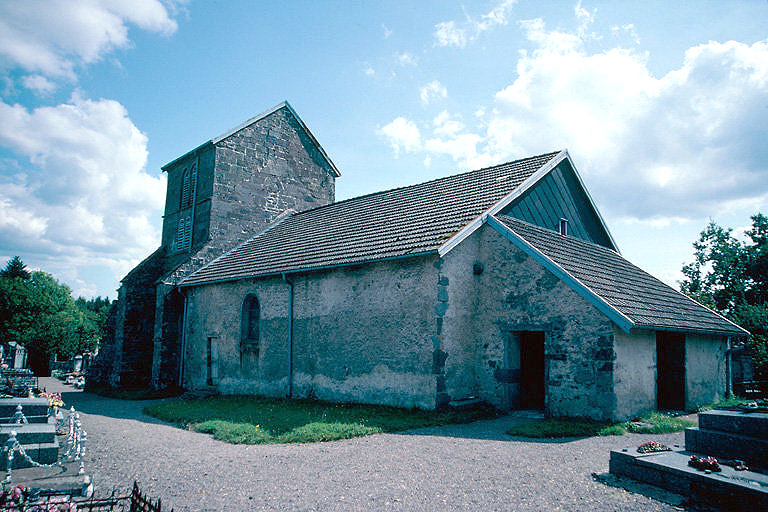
(662, 105)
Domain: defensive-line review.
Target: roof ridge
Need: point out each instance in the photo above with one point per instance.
(442, 178)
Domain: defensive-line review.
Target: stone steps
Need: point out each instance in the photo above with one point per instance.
(60, 479)
(42, 453)
(727, 445)
(34, 409)
(752, 424)
(728, 490)
(29, 433)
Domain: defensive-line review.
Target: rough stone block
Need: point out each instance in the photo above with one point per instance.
(727, 445)
(753, 424)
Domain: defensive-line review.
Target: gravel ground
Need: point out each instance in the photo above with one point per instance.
(457, 467)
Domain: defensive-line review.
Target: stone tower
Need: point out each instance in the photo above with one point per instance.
(218, 195)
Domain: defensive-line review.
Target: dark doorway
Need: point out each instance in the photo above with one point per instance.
(670, 371)
(532, 370)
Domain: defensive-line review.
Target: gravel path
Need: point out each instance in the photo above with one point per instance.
(458, 467)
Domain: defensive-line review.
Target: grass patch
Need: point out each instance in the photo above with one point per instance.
(731, 401)
(553, 428)
(653, 423)
(256, 420)
(134, 394)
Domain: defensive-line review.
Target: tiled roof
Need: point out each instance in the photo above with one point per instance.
(405, 221)
(645, 300)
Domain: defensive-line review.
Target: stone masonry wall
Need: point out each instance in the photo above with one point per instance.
(515, 293)
(244, 183)
(360, 335)
(263, 170)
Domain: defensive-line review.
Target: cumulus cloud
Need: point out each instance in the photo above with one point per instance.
(448, 33)
(38, 84)
(448, 139)
(78, 193)
(458, 34)
(51, 38)
(432, 90)
(403, 134)
(445, 125)
(682, 145)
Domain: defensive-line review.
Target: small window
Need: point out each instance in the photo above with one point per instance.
(251, 317)
(188, 182)
(184, 234)
(564, 227)
(211, 363)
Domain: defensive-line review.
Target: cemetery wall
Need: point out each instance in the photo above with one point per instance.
(360, 334)
(516, 293)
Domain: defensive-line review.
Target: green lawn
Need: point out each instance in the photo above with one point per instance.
(255, 420)
(653, 423)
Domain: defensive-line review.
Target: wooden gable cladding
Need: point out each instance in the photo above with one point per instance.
(560, 195)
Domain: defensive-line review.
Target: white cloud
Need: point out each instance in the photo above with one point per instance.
(685, 145)
(387, 31)
(457, 35)
(369, 71)
(681, 145)
(403, 134)
(445, 125)
(448, 139)
(448, 34)
(83, 197)
(39, 84)
(405, 59)
(51, 38)
(432, 90)
(629, 29)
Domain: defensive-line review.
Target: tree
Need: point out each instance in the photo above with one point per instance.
(15, 268)
(731, 277)
(40, 313)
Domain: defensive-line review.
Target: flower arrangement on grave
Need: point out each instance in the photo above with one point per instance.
(652, 447)
(17, 495)
(704, 463)
(54, 399)
(18, 498)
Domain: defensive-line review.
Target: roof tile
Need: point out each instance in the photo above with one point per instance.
(630, 290)
(399, 222)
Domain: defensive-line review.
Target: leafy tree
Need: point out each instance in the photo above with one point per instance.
(40, 313)
(731, 277)
(15, 268)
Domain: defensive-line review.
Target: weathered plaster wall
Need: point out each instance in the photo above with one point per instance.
(515, 293)
(215, 311)
(361, 334)
(634, 372)
(705, 369)
(243, 183)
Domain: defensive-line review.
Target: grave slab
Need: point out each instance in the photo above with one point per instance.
(728, 490)
(728, 445)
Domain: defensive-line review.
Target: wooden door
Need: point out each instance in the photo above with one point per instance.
(670, 371)
(532, 370)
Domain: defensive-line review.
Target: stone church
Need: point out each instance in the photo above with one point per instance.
(502, 284)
